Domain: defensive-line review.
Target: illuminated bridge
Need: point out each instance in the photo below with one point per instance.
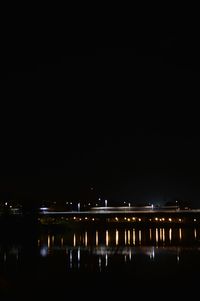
(148, 214)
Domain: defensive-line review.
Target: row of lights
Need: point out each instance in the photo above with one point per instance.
(125, 219)
(133, 219)
(156, 219)
(80, 219)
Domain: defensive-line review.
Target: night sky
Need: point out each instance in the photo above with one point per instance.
(120, 120)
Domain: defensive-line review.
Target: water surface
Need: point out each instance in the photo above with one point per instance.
(102, 259)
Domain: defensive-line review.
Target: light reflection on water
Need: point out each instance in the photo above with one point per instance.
(74, 240)
(156, 237)
(97, 238)
(99, 249)
(86, 239)
(195, 233)
(180, 233)
(134, 236)
(107, 237)
(103, 246)
(117, 237)
(170, 234)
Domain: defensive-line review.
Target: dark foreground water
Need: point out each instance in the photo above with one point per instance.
(95, 262)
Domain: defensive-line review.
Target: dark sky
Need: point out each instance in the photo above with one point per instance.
(118, 119)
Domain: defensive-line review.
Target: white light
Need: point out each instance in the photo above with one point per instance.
(44, 208)
(79, 254)
(44, 251)
(100, 262)
(70, 258)
(153, 254)
(129, 254)
(106, 260)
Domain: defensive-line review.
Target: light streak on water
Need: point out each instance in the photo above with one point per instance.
(107, 238)
(129, 237)
(97, 238)
(117, 237)
(134, 236)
